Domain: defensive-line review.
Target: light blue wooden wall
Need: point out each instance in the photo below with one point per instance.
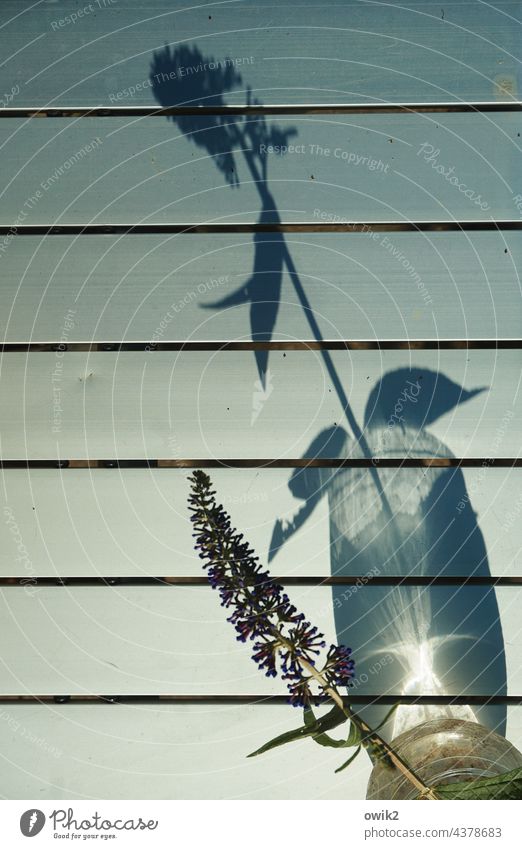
(436, 189)
(292, 52)
(377, 285)
(145, 169)
(150, 534)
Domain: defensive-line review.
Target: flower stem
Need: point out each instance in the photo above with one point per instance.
(372, 736)
(233, 566)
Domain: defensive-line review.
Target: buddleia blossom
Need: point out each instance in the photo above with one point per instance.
(284, 642)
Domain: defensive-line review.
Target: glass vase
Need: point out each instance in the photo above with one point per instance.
(443, 751)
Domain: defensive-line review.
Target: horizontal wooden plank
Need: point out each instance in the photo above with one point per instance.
(289, 52)
(371, 285)
(358, 168)
(171, 753)
(168, 753)
(147, 404)
(163, 640)
(135, 522)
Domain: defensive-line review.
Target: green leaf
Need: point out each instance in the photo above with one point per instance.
(282, 739)
(349, 761)
(330, 720)
(505, 786)
(311, 727)
(309, 716)
(325, 740)
(353, 739)
(386, 718)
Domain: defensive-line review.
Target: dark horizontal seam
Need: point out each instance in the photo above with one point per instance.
(294, 345)
(255, 227)
(266, 463)
(231, 699)
(291, 581)
(265, 109)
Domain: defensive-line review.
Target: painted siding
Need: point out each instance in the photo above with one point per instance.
(373, 285)
(105, 405)
(134, 522)
(133, 170)
(164, 752)
(287, 52)
(176, 640)
(406, 168)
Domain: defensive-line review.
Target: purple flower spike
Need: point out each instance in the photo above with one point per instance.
(285, 642)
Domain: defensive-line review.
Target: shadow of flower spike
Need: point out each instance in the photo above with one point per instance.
(180, 78)
(217, 135)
